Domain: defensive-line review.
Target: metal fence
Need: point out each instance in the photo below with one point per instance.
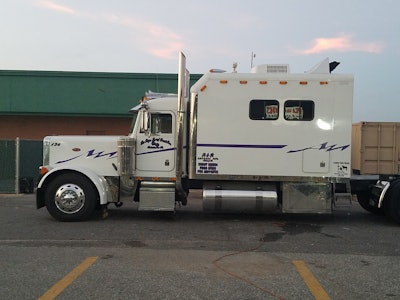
(19, 165)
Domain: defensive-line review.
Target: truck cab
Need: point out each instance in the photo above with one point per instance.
(154, 160)
(155, 139)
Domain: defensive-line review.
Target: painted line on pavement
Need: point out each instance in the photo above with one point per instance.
(56, 289)
(312, 283)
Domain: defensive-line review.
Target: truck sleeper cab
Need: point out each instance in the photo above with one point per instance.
(259, 142)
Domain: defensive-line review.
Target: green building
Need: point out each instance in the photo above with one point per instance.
(34, 104)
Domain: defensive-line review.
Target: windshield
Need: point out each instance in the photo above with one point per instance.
(134, 118)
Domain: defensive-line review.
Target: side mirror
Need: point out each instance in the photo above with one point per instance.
(146, 120)
(145, 116)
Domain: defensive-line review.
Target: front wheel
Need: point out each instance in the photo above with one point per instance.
(71, 197)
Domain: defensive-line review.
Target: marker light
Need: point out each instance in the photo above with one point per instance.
(217, 71)
(223, 81)
(283, 82)
(263, 82)
(243, 81)
(43, 170)
(203, 88)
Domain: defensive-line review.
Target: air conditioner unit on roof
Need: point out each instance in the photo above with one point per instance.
(271, 69)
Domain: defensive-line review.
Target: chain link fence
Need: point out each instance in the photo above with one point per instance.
(19, 165)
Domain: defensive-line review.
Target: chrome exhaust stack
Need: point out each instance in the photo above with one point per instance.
(126, 163)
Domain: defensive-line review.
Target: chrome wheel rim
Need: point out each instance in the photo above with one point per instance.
(69, 198)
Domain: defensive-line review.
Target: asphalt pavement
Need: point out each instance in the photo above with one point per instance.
(350, 254)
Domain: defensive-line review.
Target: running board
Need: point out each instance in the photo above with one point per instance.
(342, 200)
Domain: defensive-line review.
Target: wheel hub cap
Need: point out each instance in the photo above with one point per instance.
(69, 198)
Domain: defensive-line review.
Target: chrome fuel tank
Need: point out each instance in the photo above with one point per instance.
(240, 197)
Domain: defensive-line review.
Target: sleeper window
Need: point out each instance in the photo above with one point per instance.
(264, 110)
(299, 110)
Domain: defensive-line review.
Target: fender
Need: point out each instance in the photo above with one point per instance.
(99, 182)
(384, 190)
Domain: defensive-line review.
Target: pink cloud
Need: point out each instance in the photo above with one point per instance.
(343, 43)
(168, 51)
(153, 38)
(159, 41)
(163, 42)
(57, 7)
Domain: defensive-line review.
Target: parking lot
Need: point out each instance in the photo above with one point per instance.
(350, 254)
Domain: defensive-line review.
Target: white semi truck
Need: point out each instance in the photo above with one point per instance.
(265, 141)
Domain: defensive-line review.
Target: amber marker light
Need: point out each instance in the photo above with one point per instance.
(243, 81)
(223, 81)
(217, 71)
(263, 82)
(303, 82)
(283, 82)
(43, 170)
(323, 82)
(203, 88)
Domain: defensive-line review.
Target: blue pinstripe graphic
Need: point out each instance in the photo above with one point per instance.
(157, 151)
(242, 146)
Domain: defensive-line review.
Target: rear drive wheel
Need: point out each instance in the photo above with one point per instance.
(71, 197)
(392, 201)
(363, 199)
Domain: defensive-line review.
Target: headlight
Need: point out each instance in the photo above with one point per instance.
(46, 151)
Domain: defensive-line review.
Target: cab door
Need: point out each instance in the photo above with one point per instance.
(155, 148)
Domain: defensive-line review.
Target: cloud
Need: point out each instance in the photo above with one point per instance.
(342, 43)
(157, 40)
(56, 7)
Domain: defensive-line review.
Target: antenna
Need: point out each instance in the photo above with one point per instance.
(234, 66)
(253, 55)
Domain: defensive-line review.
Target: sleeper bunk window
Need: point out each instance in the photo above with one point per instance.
(299, 110)
(264, 110)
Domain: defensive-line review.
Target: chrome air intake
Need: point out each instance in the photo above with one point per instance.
(126, 156)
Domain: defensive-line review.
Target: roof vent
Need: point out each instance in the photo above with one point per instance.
(270, 69)
(153, 95)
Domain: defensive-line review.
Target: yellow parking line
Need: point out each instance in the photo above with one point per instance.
(313, 285)
(56, 289)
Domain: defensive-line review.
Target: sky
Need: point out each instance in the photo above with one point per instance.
(145, 36)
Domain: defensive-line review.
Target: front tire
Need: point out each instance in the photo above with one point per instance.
(71, 197)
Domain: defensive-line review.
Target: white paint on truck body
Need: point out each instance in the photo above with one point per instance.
(283, 142)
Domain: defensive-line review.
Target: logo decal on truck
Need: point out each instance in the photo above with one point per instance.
(323, 146)
(156, 143)
(206, 164)
(342, 168)
(92, 153)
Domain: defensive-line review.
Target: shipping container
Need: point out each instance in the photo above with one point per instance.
(376, 148)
